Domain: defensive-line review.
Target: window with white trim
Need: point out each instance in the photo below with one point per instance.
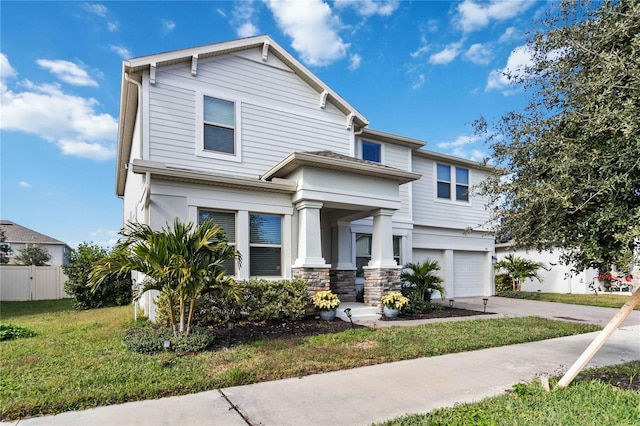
(363, 252)
(219, 125)
(371, 151)
(265, 245)
(444, 182)
(226, 221)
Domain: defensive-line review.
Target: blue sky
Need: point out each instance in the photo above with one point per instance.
(422, 69)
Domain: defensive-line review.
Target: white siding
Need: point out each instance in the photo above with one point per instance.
(400, 158)
(429, 211)
(279, 113)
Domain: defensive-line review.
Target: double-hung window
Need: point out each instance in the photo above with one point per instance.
(444, 183)
(371, 151)
(265, 245)
(219, 125)
(226, 221)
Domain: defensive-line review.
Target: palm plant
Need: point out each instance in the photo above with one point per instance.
(519, 269)
(421, 276)
(183, 262)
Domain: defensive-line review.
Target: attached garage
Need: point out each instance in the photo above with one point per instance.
(420, 255)
(468, 273)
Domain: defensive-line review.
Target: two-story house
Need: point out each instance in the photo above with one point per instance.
(243, 134)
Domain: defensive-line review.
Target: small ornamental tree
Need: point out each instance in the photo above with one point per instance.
(33, 254)
(519, 269)
(423, 279)
(5, 249)
(116, 290)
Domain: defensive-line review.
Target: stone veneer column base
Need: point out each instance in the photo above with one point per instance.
(377, 282)
(317, 280)
(343, 283)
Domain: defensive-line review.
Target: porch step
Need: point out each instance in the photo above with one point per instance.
(359, 312)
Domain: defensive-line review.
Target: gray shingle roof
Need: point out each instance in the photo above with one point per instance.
(19, 234)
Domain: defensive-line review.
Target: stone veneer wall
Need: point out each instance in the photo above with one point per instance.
(317, 280)
(343, 283)
(377, 282)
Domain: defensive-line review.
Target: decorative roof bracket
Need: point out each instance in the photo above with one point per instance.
(323, 98)
(265, 51)
(152, 73)
(350, 118)
(194, 65)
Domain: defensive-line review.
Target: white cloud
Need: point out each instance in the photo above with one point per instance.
(508, 35)
(420, 51)
(312, 27)
(6, 70)
(459, 142)
(479, 54)
(221, 13)
(96, 9)
(355, 61)
(69, 121)
(369, 8)
(473, 155)
(520, 58)
(418, 82)
(24, 184)
(122, 51)
(446, 55)
(244, 19)
(112, 26)
(167, 25)
(474, 15)
(68, 72)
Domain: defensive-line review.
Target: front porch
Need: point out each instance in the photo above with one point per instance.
(334, 192)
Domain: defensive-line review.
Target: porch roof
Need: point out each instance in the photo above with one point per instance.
(333, 161)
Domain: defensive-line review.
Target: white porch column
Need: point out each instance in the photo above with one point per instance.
(382, 240)
(309, 235)
(341, 256)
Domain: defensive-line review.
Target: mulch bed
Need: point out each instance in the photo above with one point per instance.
(622, 381)
(246, 333)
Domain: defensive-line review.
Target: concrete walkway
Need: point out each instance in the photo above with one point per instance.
(377, 393)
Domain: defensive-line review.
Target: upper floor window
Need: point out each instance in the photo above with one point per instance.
(219, 125)
(226, 221)
(445, 182)
(371, 151)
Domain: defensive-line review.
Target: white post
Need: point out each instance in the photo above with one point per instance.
(382, 240)
(309, 235)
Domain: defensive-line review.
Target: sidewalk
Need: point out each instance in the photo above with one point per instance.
(375, 393)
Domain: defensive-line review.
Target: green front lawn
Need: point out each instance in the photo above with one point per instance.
(585, 402)
(604, 300)
(77, 360)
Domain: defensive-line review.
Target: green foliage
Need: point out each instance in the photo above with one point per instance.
(503, 283)
(150, 340)
(272, 300)
(33, 254)
(569, 170)
(422, 278)
(519, 269)
(260, 300)
(116, 290)
(9, 332)
(184, 263)
(5, 248)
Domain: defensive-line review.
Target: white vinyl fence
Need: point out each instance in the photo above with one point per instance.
(21, 283)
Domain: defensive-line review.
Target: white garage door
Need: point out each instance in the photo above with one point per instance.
(468, 274)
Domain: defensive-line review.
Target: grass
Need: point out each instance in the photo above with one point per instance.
(585, 402)
(77, 359)
(602, 299)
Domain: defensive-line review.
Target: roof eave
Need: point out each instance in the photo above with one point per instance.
(455, 160)
(391, 138)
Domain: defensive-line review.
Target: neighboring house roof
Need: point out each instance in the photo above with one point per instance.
(129, 91)
(333, 161)
(19, 234)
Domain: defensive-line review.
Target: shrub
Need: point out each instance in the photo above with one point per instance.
(150, 339)
(9, 332)
(116, 291)
(503, 284)
(274, 300)
(262, 300)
